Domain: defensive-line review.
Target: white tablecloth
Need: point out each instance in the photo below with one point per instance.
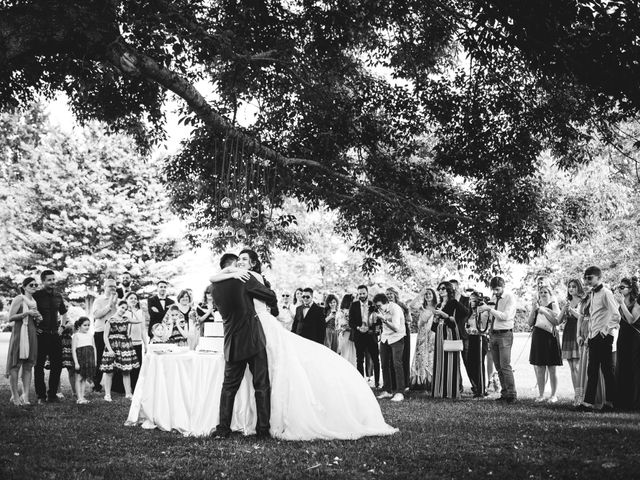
(181, 391)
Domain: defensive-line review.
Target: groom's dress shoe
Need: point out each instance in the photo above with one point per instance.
(263, 435)
(217, 433)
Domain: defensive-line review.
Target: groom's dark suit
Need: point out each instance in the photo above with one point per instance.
(244, 344)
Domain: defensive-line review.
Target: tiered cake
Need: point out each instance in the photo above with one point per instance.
(213, 338)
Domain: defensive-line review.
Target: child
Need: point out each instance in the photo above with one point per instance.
(118, 351)
(179, 329)
(83, 350)
(67, 357)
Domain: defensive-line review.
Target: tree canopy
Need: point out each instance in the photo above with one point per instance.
(421, 122)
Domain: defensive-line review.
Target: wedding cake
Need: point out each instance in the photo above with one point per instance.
(213, 338)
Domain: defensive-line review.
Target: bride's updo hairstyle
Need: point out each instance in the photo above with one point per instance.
(253, 256)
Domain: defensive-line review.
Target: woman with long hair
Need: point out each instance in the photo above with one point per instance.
(346, 347)
(545, 352)
(569, 316)
(315, 394)
(446, 363)
(628, 361)
(23, 343)
(137, 332)
(422, 367)
(394, 296)
(330, 314)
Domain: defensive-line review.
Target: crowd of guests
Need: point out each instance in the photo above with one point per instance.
(372, 332)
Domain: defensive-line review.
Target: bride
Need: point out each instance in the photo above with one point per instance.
(315, 393)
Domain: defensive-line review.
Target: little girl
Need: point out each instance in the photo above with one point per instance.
(118, 351)
(83, 350)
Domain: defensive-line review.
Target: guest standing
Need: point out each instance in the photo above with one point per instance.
(391, 317)
(126, 284)
(346, 347)
(569, 316)
(394, 296)
(68, 329)
(175, 327)
(446, 364)
(205, 311)
(23, 343)
(104, 308)
(330, 317)
(604, 319)
(462, 327)
(503, 314)
(628, 354)
(50, 305)
(477, 325)
(136, 332)
(119, 353)
(365, 333)
(83, 350)
(309, 321)
(287, 312)
(158, 305)
(422, 368)
(545, 352)
(583, 335)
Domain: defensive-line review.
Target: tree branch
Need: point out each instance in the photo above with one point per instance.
(129, 61)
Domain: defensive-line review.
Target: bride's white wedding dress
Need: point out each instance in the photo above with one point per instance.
(315, 393)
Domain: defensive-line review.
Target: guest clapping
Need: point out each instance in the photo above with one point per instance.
(545, 346)
(23, 344)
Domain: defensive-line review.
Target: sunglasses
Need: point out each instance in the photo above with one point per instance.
(286, 295)
(306, 296)
(33, 285)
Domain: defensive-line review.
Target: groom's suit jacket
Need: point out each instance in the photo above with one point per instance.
(243, 334)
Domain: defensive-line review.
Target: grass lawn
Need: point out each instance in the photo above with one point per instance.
(437, 439)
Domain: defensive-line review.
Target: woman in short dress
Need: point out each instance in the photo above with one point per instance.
(569, 316)
(545, 352)
(23, 343)
(118, 351)
(422, 367)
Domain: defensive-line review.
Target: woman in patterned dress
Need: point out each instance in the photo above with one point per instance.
(422, 367)
(446, 365)
(119, 353)
(569, 316)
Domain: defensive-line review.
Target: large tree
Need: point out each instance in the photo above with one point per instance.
(365, 105)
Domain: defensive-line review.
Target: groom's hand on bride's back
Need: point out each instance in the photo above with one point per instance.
(242, 275)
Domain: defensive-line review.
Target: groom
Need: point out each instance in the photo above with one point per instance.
(244, 344)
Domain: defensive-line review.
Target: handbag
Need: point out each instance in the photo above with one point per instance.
(452, 345)
(543, 323)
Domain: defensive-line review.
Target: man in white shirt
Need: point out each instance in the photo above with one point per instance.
(501, 341)
(391, 345)
(104, 308)
(604, 318)
(287, 312)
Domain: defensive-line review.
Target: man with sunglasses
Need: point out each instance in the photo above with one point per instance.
(309, 321)
(604, 318)
(287, 312)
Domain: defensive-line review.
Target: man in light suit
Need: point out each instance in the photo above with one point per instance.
(309, 321)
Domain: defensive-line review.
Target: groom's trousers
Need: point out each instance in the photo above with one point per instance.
(233, 375)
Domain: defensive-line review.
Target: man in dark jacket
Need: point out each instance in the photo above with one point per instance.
(244, 344)
(309, 321)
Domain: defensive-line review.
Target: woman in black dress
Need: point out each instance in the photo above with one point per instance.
(628, 364)
(446, 364)
(545, 347)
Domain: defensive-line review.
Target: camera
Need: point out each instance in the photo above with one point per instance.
(484, 300)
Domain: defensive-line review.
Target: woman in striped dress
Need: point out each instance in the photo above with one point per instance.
(446, 365)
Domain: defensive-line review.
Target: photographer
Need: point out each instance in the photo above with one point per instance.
(503, 313)
(477, 325)
(391, 345)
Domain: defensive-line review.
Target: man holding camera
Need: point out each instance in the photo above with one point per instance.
(503, 313)
(391, 345)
